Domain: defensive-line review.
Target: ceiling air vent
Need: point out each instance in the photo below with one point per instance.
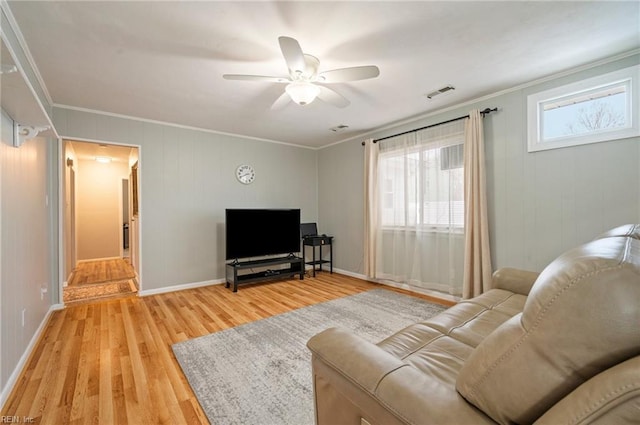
(339, 128)
(440, 91)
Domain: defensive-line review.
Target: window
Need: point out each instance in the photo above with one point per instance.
(423, 187)
(593, 110)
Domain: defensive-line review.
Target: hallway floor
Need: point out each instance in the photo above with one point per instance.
(100, 280)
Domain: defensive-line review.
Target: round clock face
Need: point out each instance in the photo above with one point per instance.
(245, 174)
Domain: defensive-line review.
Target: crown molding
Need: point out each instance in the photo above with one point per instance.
(171, 124)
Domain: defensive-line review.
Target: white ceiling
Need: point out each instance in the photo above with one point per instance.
(164, 61)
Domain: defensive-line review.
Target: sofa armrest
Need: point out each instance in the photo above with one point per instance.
(514, 280)
(345, 352)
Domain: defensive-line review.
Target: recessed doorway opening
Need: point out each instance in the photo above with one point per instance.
(100, 224)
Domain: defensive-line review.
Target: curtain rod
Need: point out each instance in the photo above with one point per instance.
(483, 112)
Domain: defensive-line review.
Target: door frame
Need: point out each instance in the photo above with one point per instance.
(62, 163)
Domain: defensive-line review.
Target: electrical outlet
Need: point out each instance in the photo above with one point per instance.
(24, 312)
(43, 290)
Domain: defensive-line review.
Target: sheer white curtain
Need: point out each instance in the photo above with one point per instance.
(415, 209)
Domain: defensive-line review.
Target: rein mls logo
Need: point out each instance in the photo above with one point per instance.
(17, 420)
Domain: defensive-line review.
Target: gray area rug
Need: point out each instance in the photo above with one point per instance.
(260, 373)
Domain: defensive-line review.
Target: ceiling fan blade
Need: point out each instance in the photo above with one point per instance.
(256, 78)
(281, 102)
(349, 74)
(332, 97)
(293, 54)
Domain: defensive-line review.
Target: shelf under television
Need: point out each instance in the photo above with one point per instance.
(235, 276)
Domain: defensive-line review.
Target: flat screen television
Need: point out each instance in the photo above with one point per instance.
(260, 232)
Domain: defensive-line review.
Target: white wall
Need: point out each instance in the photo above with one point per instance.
(341, 202)
(543, 203)
(187, 179)
(99, 208)
(26, 258)
(540, 204)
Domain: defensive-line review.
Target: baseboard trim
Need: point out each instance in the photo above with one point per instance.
(433, 294)
(351, 274)
(148, 292)
(182, 287)
(17, 371)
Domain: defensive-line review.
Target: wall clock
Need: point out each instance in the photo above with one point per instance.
(245, 174)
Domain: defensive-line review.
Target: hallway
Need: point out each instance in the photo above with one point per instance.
(100, 280)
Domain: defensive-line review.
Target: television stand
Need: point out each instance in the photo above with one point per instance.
(239, 272)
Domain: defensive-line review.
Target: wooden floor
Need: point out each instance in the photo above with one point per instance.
(89, 272)
(92, 280)
(111, 362)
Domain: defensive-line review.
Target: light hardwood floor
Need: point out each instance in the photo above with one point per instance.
(100, 280)
(88, 272)
(111, 362)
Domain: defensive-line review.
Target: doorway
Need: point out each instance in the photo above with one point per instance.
(98, 213)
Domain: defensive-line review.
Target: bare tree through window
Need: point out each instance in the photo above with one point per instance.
(597, 116)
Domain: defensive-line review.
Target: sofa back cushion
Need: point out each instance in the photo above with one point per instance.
(581, 317)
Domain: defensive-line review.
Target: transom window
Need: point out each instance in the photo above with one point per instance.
(593, 110)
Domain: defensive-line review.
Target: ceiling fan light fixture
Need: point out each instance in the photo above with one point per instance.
(302, 92)
(303, 73)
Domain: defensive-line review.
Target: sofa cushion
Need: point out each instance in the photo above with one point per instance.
(438, 347)
(580, 318)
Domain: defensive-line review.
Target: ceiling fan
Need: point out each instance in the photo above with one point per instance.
(304, 82)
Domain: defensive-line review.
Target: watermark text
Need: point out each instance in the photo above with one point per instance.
(17, 420)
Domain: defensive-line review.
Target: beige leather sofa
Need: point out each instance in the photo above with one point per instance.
(561, 347)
